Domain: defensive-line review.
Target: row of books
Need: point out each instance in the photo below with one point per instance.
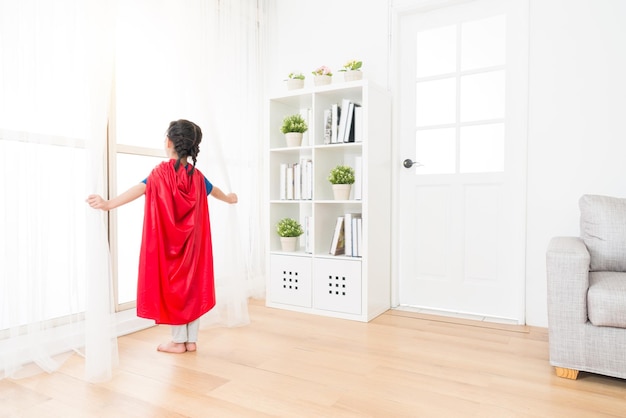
(343, 123)
(347, 237)
(296, 180)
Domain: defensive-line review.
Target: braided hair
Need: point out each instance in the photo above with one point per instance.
(186, 137)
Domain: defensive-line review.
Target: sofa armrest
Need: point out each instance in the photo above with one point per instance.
(567, 262)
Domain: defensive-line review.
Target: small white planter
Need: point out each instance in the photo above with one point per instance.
(322, 80)
(352, 75)
(294, 139)
(341, 191)
(294, 84)
(288, 243)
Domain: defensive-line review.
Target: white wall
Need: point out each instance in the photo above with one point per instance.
(577, 140)
(306, 34)
(577, 70)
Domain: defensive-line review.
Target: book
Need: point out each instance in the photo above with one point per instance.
(343, 120)
(359, 237)
(335, 114)
(297, 181)
(337, 245)
(327, 125)
(350, 233)
(358, 124)
(289, 181)
(308, 179)
(308, 233)
(348, 135)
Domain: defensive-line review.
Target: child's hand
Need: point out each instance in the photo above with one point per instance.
(96, 201)
(231, 198)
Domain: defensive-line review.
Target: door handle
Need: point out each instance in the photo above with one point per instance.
(408, 163)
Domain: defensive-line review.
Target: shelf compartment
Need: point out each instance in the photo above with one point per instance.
(337, 285)
(288, 209)
(290, 280)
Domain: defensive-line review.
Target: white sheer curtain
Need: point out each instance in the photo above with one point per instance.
(233, 155)
(201, 61)
(55, 72)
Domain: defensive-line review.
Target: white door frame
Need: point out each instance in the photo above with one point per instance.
(399, 9)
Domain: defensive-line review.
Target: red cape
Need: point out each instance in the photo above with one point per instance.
(175, 283)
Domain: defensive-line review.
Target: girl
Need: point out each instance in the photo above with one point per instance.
(175, 284)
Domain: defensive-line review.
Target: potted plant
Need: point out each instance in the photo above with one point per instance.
(352, 70)
(293, 128)
(342, 178)
(322, 76)
(289, 230)
(295, 80)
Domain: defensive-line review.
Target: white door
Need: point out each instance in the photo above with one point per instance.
(462, 112)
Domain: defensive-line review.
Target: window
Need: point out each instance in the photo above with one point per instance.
(460, 97)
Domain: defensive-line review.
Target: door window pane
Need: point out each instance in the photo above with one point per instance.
(482, 148)
(435, 102)
(483, 43)
(435, 149)
(482, 96)
(436, 51)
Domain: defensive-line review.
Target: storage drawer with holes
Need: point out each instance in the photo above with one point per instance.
(337, 285)
(290, 280)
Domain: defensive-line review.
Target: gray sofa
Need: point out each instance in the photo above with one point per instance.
(587, 292)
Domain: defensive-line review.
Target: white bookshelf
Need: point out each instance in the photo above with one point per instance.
(317, 282)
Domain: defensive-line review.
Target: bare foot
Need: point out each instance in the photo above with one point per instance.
(190, 346)
(172, 347)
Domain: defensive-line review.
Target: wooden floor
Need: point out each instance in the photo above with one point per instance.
(286, 364)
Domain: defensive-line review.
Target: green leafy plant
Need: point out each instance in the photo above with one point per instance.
(323, 70)
(352, 65)
(294, 123)
(295, 76)
(288, 227)
(341, 174)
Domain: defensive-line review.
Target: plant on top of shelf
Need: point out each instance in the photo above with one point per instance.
(323, 70)
(341, 174)
(322, 76)
(289, 227)
(352, 70)
(295, 80)
(352, 65)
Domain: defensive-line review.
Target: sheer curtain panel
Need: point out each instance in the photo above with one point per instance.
(55, 80)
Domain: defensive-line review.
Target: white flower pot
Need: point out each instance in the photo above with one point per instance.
(352, 75)
(294, 139)
(288, 243)
(341, 191)
(294, 84)
(322, 80)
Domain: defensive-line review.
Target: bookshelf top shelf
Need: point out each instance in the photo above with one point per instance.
(337, 146)
(336, 87)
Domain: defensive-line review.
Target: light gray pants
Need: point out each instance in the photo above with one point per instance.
(187, 333)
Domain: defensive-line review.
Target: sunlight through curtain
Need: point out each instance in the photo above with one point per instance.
(55, 81)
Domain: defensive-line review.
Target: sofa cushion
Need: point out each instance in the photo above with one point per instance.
(606, 299)
(603, 229)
